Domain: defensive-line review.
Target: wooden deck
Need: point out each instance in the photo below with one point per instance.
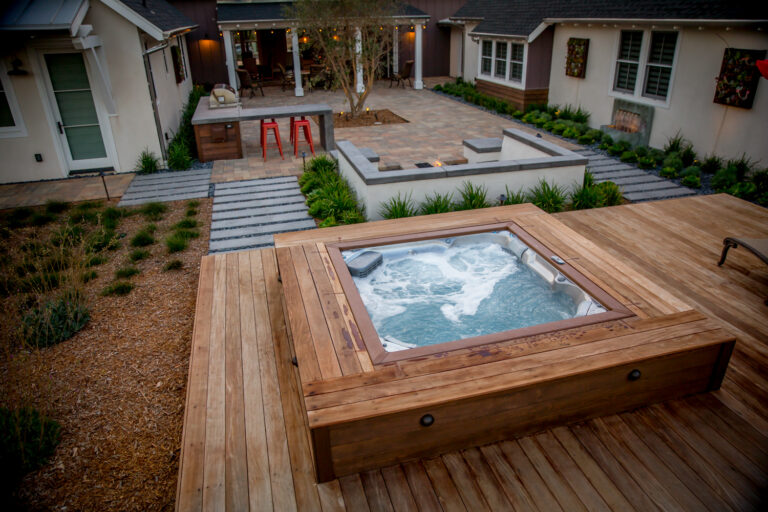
(246, 444)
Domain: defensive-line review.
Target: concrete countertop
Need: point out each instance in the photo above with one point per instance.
(206, 115)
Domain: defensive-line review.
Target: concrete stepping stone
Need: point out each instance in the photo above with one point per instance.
(253, 212)
(653, 195)
(256, 203)
(167, 186)
(275, 218)
(640, 187)
(648, 178)
(262, 229)
(618, 175)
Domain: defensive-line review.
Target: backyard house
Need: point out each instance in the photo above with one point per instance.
(644, 70)
(88, 85)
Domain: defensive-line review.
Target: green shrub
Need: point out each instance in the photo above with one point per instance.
(101, 239)
(398, 207)
(673, 161)
(351, 217)
(724, 179)
(688, 156)
(472, 197)
(95, 260)
(675, 144)
(55, 321)
(41, 219)
(658, 155)
(437, 203)
(173, 265)
(187, 233)
(194, 203)
(153, 211)
(610, 193)
(691, 181)
(585, 139)
(27, 440)
(191, 212)
(18, 217)
(110, 217)
(641, 151)
(41, 283)
(55, 207)
(126, 272)
(744, 190)
(138, 255)
(331, 200)
(586, 196)
(147, 163)
(607, 139)
(179, 158)
(668, 172)
(176, 242)
(628, 157)
(548, 197)
(588, 180)
(711, 164)
(580, 116)
(517, 114)
(616, 150)
(558, 128)
(117, 288)
(571, 133)
(742, 166)
(437, 87)
(760, 179)
(646, 162)
(185, 224)
(88, 275)
(510, 197)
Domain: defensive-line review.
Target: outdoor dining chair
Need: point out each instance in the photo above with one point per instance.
(403, 75)
(247, 84)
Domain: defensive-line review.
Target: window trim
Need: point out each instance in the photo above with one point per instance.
(638, 95)
(506, 81)
(19, 129)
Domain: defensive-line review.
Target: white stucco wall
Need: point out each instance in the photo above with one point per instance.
(171, 96)
(471, 52)
(726, 131)
(132, 125)
(18, 152)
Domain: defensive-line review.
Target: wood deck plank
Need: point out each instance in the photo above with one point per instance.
(376, 491)
(189, 494)
(214, 497)
(302, 469)
(712, 447)
(282, 484)
(236, 479)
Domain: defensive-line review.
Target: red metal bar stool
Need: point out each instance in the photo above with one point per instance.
(265, 127)
(298, 124)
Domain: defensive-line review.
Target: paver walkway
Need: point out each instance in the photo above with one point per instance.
(68, 190)
(167, 186)
(247, 213)
(636, 184)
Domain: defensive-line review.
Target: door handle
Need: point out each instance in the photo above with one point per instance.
(61, 129)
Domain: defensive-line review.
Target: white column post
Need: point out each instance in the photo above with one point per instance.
(299, 90)
(395, 51)
(359, 83)
(230, 58)
(417, 81)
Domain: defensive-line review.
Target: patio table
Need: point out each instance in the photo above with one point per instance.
(217, 130)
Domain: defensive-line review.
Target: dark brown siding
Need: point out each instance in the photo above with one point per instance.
(539, 60)
(517, 97)
(436, 49)
(206, 47)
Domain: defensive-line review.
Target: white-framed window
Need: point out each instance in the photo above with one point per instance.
(502, 61)
(11, 123)
(645, 63)
(661, 57)
(486, 61)
(628, 61)
(516, 56)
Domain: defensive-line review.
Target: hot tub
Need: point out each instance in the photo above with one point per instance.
(442, 291)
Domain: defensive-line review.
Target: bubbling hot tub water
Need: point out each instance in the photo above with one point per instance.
(434, 291)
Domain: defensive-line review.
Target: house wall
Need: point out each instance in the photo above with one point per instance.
(206, 47)
(133, 125)
(171, 96)
(18, 152)
(538, 60)
(456, 58)
(435, 39)
(712, 128)
(471, 54)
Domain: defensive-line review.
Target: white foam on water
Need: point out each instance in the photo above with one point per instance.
(459, 279)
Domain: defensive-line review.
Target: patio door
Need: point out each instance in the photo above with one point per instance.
(78, 123)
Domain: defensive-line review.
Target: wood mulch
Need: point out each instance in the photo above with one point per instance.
(118, 386)
(368, 118)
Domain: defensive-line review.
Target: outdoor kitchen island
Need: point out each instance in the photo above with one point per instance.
(217, 130)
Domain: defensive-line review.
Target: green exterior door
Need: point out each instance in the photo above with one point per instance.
(77, 119)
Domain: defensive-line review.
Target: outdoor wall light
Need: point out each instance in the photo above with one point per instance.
(16, 68)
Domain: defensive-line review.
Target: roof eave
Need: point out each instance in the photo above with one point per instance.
(679, 21)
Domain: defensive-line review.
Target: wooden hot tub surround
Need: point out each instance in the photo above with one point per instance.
(367, 411)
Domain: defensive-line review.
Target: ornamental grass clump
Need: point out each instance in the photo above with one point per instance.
(126, 272)
(28, 440)
(550, 197)
(472, 197)
(398, 207)
(117, 288)
(510, 197)
(55, 320)
(153, 211)
(437, 203)
(148, 163)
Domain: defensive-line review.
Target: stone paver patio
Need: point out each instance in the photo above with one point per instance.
(435, 129)
(68, 190)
